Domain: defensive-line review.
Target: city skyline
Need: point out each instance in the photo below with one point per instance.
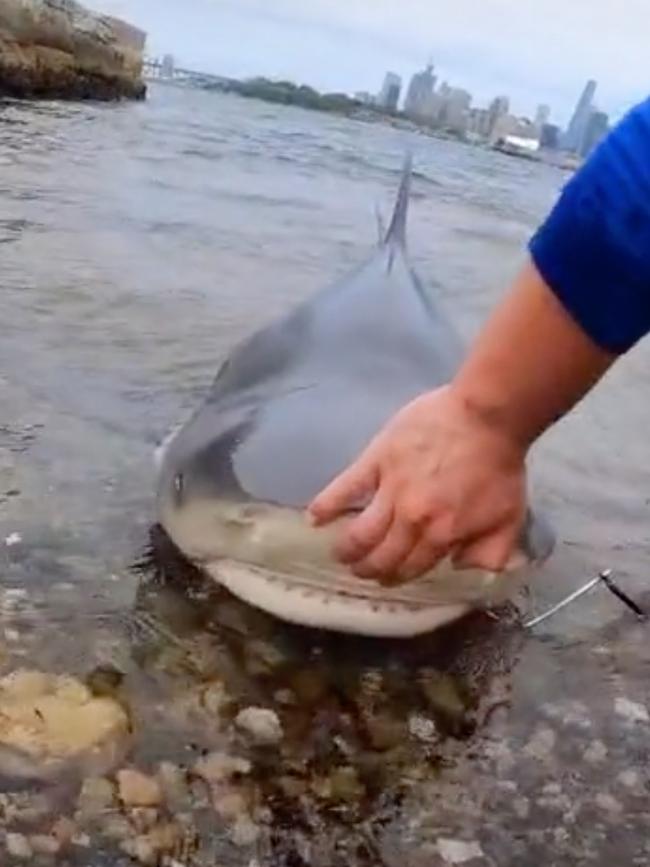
(498, 47)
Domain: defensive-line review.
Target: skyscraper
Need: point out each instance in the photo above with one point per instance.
(390, 92)
(418, 97)
(499, 108)
(549, 137)
(542, 116)
(574, 136)
(454, 115)
(596, 129)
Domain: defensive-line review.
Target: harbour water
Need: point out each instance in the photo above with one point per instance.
(138, 243)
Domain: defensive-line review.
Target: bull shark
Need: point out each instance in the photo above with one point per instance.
(291, 407)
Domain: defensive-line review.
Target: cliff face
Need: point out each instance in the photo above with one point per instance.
(59, 49)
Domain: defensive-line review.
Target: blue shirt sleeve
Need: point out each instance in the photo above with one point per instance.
(593, 250)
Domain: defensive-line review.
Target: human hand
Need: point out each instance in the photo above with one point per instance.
(438, 480)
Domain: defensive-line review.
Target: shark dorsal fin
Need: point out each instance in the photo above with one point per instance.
(397, 229)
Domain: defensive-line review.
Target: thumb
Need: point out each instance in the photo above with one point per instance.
(351, 489)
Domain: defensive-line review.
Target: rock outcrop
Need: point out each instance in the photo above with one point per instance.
(57, 49)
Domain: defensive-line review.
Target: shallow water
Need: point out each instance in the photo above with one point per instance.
(140, 242)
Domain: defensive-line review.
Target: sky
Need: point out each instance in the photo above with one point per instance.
(535, 51)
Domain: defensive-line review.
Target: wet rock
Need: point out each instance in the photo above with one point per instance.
(138, 790)
(292, 787)
(342, 785)
(245, 832)
(96, 797)
(630, 779)
(173, 782)
(521, 807)
(45, 844)
(262, 725)
(64, 830)
(541, 744)
(631, 710)
(116, 827)
(143, 819)
(384, 732)
(457, 851)
(608, 803)
(423, 729)
(215, 699)
(24, 807)
(141, 849)
(595, 753)
(231, 806)
(284, 697)
(157, 847)
(55, 721)
(263, 658)
(220, 767)
(18, 846)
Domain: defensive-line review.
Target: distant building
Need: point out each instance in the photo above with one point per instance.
(168, 66)
(499, 107)
(365, 97)
(390, 93)
(455, 112)
(542, 116)
(550, 136)
(575, 134)
(419, 95)
(596, 129)
(478, 125)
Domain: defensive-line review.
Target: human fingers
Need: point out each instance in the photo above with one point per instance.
(367, 531)
(356, 483)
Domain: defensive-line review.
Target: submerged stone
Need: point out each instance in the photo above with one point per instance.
(54, 721)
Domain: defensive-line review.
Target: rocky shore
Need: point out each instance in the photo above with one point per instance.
(57, 49)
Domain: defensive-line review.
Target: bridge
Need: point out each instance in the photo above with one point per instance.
(165, 70)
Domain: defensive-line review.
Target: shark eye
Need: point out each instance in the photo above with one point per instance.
(179, 488)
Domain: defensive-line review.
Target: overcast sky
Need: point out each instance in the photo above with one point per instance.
(534, 50)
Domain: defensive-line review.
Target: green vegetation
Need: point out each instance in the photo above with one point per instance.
(288, 93)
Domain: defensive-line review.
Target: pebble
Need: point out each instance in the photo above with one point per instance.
(64, 830)
(231, 806)
(631, 710)
(143, 819)
(45, 844)
(631, 779)
(137, 789)
(541, 743)
(141, 849)
(595, 753)
(261, 724)
(521, 806)
(18, 846)
(244, 832)
(607, 802)
(422, 729)
(173, 782)
(219, 767)
(97, 795)
(457, 851)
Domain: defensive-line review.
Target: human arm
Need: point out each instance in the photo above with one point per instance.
(447, 474)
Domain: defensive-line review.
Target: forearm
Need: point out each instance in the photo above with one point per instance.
(582, 301)
(531, 363)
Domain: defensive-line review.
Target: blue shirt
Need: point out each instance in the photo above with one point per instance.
(593, 250)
